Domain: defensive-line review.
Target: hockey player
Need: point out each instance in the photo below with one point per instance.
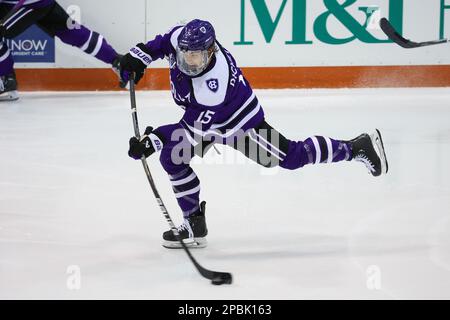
(220, 107)
(54, 20)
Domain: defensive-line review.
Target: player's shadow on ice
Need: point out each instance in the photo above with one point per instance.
(307, 246)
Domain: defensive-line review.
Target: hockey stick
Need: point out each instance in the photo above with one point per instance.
(216, 278)
(12, 12)
(9, 15)
(390, 31)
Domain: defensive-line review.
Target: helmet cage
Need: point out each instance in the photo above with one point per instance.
(193, 62)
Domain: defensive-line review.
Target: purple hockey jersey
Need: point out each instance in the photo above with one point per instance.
(218, 102)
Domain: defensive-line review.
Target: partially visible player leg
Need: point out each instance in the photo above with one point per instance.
(58, 23)
(8, 82)
(315, 150)
(269, 148)
(13, 26)
(175, 157)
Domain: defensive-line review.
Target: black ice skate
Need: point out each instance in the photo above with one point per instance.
(193, 231)
(8, 87)
(370, 151)
(116, 68)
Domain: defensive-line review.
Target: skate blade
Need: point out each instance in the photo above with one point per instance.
(378, 142)
(190, 243)
(9, 96)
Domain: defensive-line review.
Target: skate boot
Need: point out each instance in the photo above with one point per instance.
(370, 151)
(192, 231)
(8, 87)
(116, 68)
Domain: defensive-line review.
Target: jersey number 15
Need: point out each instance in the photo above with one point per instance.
(206, 116)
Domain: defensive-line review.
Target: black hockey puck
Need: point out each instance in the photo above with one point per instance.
(225, 278)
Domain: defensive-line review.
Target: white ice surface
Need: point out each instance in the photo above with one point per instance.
(69, 195)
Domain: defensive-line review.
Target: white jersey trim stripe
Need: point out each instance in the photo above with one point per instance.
(330, 150)
(98, 47)
(13, 16)
(189, 178)
(229, 132)
(18, 19)
(195, 130)
(243, 121)
(188, 136)
(188, 192)
(249, 100)
(317, 147)
(267, 144)
(270, 144)
(263, 146)
(86, 44)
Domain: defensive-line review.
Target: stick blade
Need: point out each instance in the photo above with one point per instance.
(220, 278)
(390, 31)
(216, 277)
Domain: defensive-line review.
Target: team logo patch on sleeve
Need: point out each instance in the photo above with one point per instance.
(213, 85)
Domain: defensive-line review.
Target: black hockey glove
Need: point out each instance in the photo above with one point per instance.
(148, 144)
(137, 60)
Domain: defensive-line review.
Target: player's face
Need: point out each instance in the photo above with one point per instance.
(194, 58)
(192, 63)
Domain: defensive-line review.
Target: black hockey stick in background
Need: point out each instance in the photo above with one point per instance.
(216, 278)
(390, 31)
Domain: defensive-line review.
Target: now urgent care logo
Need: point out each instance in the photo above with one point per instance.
(337, 9)
(33, 46)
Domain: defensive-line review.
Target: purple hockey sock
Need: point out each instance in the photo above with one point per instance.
(6, 60)
(186, 186)
(316, 150)
(90, 42)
